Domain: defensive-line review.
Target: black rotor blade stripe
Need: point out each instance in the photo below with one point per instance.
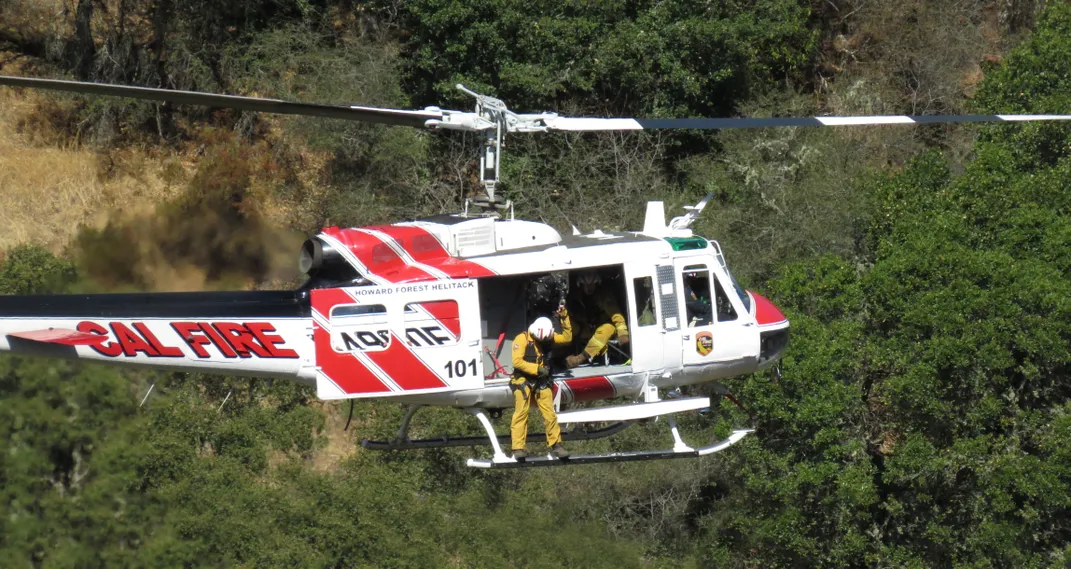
(367, 114)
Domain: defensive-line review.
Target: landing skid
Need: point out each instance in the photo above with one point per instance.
(402, 442)
(445, 442)
(633, 456)
(500, 459)
(679, 450)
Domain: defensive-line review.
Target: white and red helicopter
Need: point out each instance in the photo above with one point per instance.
(420, 312)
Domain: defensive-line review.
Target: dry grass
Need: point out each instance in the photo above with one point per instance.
(32, 18)
(340, 444)
(49, 188)
(336, 446)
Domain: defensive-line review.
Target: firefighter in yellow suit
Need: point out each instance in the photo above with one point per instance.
(598, 315)
(531, 382)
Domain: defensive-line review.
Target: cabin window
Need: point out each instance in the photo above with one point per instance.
(644, 289)
(359, 314)
(358, 328)
(696, 291)
(432, 323)
(726, 312)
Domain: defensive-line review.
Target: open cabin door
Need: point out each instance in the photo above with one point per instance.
(644, 311)
(380, 341)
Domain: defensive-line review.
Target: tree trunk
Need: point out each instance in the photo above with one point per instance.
(84, 51)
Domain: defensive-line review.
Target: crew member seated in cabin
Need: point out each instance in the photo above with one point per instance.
(697, 298)
(598, 317)
(531, 381)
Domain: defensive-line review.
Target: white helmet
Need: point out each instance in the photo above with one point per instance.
(541, 329)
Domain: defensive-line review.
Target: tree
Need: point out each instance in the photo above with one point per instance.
(673, 58)
(921, 419)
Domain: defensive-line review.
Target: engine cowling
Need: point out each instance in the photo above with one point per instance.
(324, 264)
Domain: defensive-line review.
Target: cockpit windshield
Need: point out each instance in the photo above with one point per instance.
(744, 297)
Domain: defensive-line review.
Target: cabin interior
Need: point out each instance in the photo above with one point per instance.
(508, 304)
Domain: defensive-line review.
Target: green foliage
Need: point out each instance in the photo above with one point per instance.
(916, 420)
(921, 419)
(56, 419)
(374, 173)
(30, 269)
(88, 476)
(1033, 80)
(651, 58)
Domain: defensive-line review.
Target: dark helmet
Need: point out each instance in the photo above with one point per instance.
(588, 278)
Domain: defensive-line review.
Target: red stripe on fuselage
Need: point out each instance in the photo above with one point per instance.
(402, 365)
(766, 312)
(591, 388)
(379, 258)
(446, 312)
(345, 370)
(324, 299)
(425, 248)
(63, 336)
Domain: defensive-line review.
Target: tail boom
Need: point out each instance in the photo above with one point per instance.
(254, 333)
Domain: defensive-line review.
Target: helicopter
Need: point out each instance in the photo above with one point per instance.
(418, 312)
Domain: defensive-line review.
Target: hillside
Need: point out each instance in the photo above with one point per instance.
(921, 418)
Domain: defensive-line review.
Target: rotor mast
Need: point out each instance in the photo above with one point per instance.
(494, 119)
(494, 111)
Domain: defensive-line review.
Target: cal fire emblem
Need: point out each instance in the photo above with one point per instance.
(704, 343)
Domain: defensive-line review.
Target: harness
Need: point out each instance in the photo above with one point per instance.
(531, 355)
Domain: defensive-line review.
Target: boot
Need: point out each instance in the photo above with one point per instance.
(579, 359)
(559, 452)
(519, 455)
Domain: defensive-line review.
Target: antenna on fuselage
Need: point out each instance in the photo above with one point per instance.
(654, 220)
(685, 221)
(567, 220)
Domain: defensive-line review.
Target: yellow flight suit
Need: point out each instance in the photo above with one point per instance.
(599, 308)
(528, 356)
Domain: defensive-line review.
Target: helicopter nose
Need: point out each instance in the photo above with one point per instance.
(773, 330)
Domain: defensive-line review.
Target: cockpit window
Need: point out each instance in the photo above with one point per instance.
(740, 292)
(696, 280)
(726, 312)
(744, 296)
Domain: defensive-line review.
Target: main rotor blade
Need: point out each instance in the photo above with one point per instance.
(366, 114)
(598, 124)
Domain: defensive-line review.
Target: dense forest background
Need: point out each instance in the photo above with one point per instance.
(921, 418)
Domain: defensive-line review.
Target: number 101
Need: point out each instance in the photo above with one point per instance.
(460, 368)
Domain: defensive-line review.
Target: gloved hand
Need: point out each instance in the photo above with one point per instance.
(544, 372)
(622, 338)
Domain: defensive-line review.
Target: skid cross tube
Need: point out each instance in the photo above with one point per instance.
(469, 441)
(632, 456)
